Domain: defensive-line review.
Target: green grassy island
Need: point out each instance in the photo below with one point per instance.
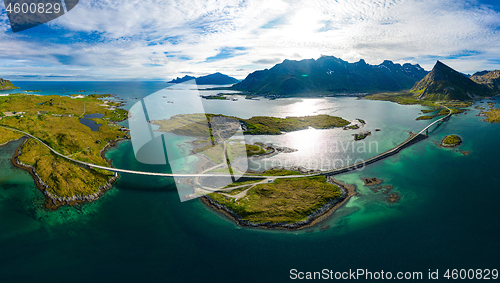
(195, 125)
(451, 141)
(55, 121)
(493, 116)
(283, 201)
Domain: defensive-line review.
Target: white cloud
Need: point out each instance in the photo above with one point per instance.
(128, 39)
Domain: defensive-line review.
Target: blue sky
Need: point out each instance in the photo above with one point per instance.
(153, 39)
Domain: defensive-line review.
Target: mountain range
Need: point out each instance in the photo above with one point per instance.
(329, 74)
(5, 84)
(212, 79)
(444, 83)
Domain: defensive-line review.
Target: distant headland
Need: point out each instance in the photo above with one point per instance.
(6, 84)
(212, 79)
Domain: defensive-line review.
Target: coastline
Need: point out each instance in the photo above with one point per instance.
(51, 201)
(321, 214)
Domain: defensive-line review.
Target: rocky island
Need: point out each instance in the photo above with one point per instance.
(451, 141)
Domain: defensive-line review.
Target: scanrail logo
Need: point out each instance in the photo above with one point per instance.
(26, 14)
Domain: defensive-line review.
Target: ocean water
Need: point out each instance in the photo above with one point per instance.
(139, 231)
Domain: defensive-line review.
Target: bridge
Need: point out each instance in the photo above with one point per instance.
(414, 138)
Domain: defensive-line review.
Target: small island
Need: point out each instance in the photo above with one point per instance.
(361, 136)
(493, 116)
(282, 203)
(451, 141)
(371, 181)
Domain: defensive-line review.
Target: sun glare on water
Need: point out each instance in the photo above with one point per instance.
(306, 107)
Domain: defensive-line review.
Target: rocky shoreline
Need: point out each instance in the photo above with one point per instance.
(321, 214)
(52, 201)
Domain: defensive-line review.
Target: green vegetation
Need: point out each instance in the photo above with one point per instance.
(213, 152)
(237, 149)
(443, 112)
(261, 125)
(218, 96)
(457, 104)
(352, 127)
(284, 201)
(94, 95)
(253, 149)
(425, 117)
(240, 183)
(451, 140)
(493, 116)
(196, 124)
(64, 178)
(362, 136)
(66, 135)
(410, 98)
(234, 150)
(8, 135)
(404, 98)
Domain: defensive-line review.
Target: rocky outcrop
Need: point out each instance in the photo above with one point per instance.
(5, 84)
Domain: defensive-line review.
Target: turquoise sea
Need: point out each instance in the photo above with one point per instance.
(139, 231)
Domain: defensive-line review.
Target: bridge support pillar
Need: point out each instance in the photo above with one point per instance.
(427, 132)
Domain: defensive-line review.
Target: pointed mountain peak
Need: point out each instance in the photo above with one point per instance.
(441, 65)
(445, 83)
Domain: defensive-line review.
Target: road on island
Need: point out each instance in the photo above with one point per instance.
(413, 138)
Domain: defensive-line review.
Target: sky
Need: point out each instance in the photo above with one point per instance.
(164, 39)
